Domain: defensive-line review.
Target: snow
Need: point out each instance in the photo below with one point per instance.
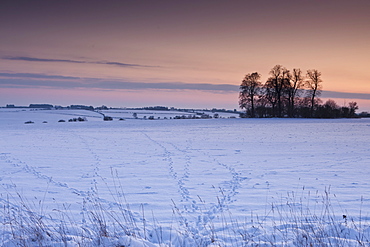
(200, 182)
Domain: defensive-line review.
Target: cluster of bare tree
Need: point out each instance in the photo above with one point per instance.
(288, 93)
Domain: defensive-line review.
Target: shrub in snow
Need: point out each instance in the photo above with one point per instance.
(79, 119)
(205, 116)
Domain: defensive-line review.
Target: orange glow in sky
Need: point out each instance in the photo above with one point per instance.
(177, 53)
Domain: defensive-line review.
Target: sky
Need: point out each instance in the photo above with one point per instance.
(186, 54)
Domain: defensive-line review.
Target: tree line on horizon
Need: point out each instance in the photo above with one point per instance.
(289, 94)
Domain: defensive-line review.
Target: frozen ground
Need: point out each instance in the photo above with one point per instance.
(212, 182)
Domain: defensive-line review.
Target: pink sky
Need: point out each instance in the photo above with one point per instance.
(176, 53)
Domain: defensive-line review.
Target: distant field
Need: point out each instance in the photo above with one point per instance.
(191, 174)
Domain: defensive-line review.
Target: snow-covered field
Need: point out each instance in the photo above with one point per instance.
(200, 182)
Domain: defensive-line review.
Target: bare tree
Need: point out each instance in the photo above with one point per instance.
(330, 109)
(314, 86)
(269, 94)
(249, 91)
(331, 104)
(296, 82)
(282, 94)
(352, 108)
(279, 79)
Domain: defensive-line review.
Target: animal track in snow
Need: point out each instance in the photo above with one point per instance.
(226, 189)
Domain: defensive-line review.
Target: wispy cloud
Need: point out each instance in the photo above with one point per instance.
(35, 59)
(37, 76)
(226, 88)
(344, 95)
(28, 80)
(120, 64)
(57, 81)
(52, 60)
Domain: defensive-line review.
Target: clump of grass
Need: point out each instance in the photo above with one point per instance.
(293, 221)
